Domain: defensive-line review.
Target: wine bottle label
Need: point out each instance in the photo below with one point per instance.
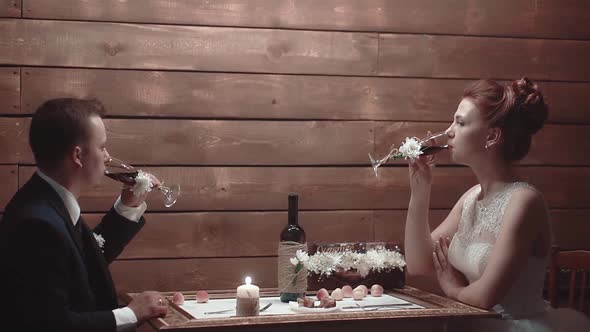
(292, 277)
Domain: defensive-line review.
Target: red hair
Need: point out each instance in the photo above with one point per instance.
(518, 109)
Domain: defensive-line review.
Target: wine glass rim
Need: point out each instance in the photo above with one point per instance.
(433, 136)
(116, 162)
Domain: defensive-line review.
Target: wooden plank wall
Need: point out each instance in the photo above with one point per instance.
(244, 101)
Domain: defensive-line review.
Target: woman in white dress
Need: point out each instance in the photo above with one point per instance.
(492, 249)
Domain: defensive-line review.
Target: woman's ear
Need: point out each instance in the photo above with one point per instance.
(76, 155)
(494, 136)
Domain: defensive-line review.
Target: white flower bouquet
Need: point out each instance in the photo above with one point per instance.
(326, 263)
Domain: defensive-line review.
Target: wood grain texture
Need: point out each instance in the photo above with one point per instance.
(185, 142)
(9, 180)
(571, 229)
(235, 234)
(192, 274)
(249, 96)
(568, 103)
(276, 143)
(241, 142)
(10, 92)
(482, 57)
(14, 141)
(327, 188)
(137, 46)
(266, 188)
(246, 96)
(548, 18)
(10, 8)
(389, 225)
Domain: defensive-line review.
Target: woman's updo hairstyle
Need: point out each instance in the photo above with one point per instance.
(518, 109)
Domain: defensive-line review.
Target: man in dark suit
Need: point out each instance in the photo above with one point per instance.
(54, 269)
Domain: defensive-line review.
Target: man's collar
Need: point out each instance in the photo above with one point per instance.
(66, 196)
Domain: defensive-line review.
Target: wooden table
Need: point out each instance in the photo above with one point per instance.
(437, 313)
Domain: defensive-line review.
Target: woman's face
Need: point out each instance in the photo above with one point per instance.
(467, 134)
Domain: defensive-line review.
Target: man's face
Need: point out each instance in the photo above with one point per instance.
(94, 152)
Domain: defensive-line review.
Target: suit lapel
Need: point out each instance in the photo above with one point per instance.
(90, 241)
(93, 263)
(94, 256)
(58, 204)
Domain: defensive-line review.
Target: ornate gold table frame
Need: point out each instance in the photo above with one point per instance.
(437, 312)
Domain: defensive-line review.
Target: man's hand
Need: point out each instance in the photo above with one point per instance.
(148, 305)
(130, 198)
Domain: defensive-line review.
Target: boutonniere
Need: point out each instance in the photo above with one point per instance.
(99, 240)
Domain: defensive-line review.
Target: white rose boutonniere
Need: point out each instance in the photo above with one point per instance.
(99, 240)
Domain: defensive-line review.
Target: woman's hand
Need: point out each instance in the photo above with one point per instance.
(421, 170)
(450, 279)
(420, 174)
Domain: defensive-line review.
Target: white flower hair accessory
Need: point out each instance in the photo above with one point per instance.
(143, 183)
(99, 240)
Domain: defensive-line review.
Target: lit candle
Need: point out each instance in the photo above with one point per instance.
(248, 290)
(247, 302)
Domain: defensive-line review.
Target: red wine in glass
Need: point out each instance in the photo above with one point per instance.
(433, 149)
(127, 178)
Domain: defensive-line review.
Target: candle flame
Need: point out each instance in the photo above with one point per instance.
(248, 280)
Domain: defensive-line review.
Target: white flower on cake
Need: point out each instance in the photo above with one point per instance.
(327, 262)
(99, 240)
(143, 183)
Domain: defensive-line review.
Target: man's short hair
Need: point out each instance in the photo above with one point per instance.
(60, 124)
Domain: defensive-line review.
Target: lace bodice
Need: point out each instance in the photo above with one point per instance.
(474, 241)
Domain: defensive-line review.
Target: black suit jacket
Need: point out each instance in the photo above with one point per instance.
(54, 277)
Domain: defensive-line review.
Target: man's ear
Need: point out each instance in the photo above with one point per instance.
(76, 155)
(494, 136)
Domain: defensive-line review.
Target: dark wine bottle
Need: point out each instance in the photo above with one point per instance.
(293, 233)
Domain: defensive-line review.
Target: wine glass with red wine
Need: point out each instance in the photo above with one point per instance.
(125, 173)
(428, 146)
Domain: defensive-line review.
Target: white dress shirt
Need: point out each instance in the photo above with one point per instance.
(124, 317)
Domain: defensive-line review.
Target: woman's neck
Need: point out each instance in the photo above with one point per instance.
(493, 175)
